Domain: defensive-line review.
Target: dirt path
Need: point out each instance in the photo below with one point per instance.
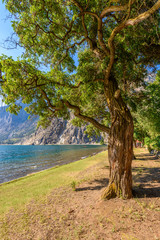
(72, 215)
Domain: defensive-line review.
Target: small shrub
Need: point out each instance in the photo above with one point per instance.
(73, 185)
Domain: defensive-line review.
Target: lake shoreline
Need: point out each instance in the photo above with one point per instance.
(19, 161)
(19, 191)
(72, 205)
(50, 168)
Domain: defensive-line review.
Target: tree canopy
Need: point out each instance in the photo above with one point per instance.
(147, 115)
(99, 33)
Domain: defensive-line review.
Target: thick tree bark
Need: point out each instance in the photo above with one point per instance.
(120, 149)
(120, 153)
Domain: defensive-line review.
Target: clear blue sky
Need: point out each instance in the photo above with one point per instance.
(6, 31)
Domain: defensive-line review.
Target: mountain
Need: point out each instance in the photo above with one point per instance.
(15, 127)
(21, 130)
(60, 132)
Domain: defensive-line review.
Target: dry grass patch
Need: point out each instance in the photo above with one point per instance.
(17, 193)
(65, 214)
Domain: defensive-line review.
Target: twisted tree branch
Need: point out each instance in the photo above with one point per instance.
(115, 9)
(78, 114)
(124, 24)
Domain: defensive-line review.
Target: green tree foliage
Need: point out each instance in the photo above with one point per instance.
(147, 115)
(114, 42)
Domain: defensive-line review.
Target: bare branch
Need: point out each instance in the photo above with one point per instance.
(100, 33)
(78, 5)
(57, 83)
(11, 43)
(115, 9)
(144, 15)
(36, 86)
(80, 83)
(111, 41)
(54, 108)
(86, 118)
(86, 31)
(125, 23)
(77, 113)
(67, 50)
(92, 14)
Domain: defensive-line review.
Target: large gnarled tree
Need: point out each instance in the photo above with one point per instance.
(114, 42)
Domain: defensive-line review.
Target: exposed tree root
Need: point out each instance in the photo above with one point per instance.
(109, 192)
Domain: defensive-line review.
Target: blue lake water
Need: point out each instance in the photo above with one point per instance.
(18, 161)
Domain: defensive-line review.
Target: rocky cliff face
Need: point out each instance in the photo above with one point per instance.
(59, 132)
(21, 130)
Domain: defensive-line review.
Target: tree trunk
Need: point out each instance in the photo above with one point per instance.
(120, 150)
(134, 143)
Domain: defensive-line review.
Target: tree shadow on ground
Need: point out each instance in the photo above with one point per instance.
(148, 180)
(96, 184)
(140, 192)
(145, 156)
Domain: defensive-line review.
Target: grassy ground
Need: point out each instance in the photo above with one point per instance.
(56, 212)
(18, 192)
